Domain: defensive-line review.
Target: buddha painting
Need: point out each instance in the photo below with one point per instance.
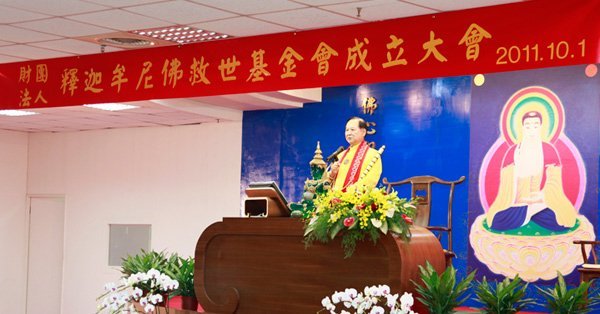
(531, 186)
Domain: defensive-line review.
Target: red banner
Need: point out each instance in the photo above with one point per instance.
(532, 34)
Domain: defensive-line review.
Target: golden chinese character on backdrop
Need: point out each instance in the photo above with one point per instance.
(357, 52)
(369, 105)
(474, 35)
(258, 71)
(25, 98)
(92, 81)
(69, 81)
(171, 72)
(371, 128)
(322, 55)
(41, 98)
(198, 72)
(227, 68)
(394, 44)
(289, 58)
(25, 74)
(41, 73)
(431, 47)
(145, 77)
(118, 77)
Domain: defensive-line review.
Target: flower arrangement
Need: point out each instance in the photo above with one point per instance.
(373, 300)
(120, 298)
(357, 214)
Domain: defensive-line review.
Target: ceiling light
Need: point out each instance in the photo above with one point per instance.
(111, 106)
(16, 113)
(181, 34)
(126, 42)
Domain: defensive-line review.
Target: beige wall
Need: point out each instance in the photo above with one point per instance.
(13, 176)
(179, 179)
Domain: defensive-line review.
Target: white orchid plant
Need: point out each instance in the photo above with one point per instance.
(120, 298)
(373, 300)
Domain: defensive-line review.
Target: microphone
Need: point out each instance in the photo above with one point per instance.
(333, 157)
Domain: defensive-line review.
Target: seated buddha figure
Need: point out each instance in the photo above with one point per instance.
(530, 187)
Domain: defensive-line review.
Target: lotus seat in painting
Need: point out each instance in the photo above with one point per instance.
(529, 251)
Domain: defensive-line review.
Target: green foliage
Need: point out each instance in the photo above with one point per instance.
(144, 261)
(561, 299)
(183, 272)
(440, 293)
(505, 297)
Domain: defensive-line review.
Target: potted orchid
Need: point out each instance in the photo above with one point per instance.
(372, 300)
(183, 272)
(358, 214)
(123, 297)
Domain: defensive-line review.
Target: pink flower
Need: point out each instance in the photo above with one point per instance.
(361, 206)
(348, 221)
(407, 219)
(335, 201)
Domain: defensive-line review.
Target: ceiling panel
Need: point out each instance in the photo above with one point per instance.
(31, 52)
(121, 3)
(70, 45)
(324, 2)
(180, 12)
(458, 5)
(9, 59)
(243, 26)
(376, 10)
(119, 20)
(307, 18)
(63, 27)
(12, 15)
(252, 6)
(56, 8)
(20, 35)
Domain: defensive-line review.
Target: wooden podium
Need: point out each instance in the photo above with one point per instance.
(253, 265)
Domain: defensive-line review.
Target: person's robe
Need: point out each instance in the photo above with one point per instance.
(506, 213)
(360, 166)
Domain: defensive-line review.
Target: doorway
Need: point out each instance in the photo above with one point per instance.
(45, 254)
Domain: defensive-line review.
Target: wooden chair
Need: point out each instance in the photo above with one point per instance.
(588, 270)
(421, 189)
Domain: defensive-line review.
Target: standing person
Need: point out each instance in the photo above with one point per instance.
(358, 165)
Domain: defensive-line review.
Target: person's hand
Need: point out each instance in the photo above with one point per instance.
(335, 167)
(536, 197)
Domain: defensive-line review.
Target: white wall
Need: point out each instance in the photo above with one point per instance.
(13, 175)
(179, 179)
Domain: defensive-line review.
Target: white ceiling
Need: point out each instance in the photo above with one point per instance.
(41, 29)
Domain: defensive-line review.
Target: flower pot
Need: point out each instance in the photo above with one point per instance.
(189, 303)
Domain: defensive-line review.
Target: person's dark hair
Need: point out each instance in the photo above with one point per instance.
(531, 114)
(362, 124)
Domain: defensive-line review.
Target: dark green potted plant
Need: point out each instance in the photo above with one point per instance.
(505, 297)
(183, 272)
(561, 299)
(441, 294)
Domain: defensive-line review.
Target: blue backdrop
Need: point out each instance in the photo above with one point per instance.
(424, 125)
